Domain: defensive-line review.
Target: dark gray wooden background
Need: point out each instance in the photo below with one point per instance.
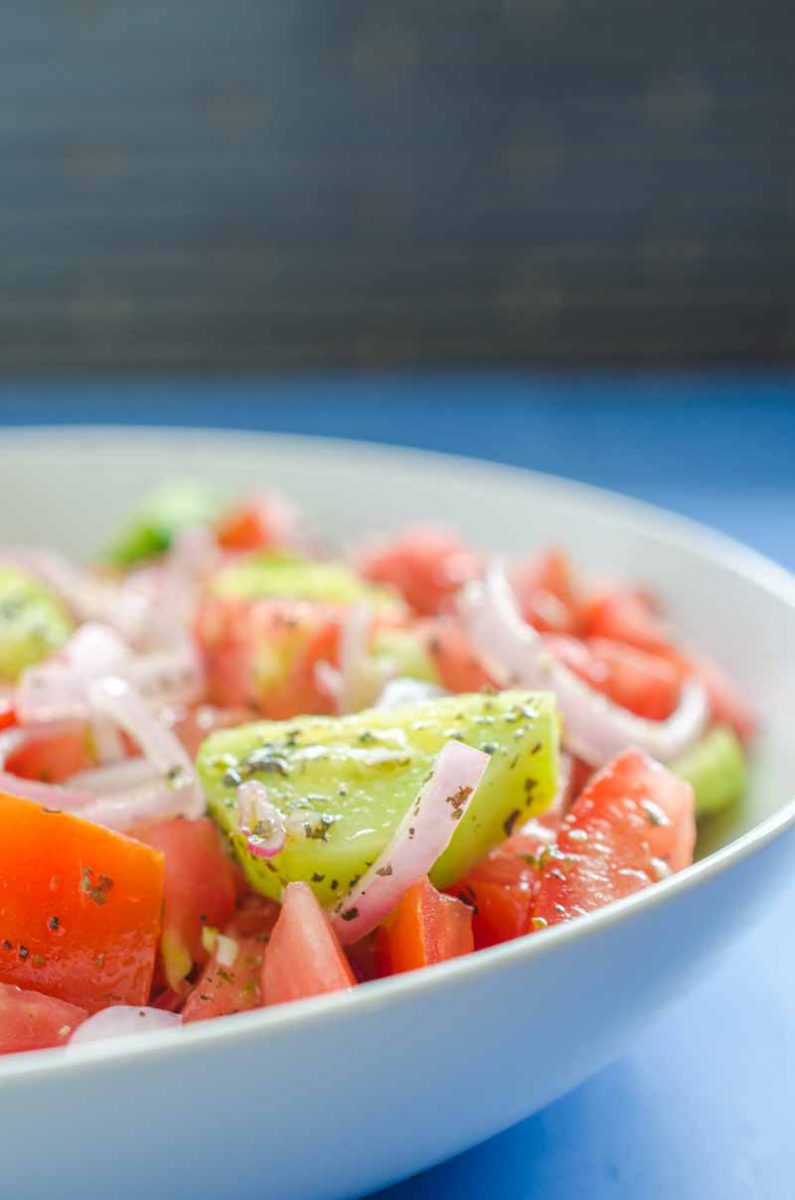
(256, 183)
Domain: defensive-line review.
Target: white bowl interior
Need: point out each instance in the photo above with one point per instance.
(70, 488)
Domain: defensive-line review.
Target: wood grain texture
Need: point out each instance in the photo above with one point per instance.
(267, 184)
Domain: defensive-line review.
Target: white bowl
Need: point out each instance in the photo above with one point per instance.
(337, 1096)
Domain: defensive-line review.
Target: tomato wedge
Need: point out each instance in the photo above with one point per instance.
(304, 957)
(80, 907)
(628, 616)
(31, 1021)
(546, 592)
(458, 667)
(254, 525)
(229, 987)
(8, 716)
(501, 889)
(624, 615)
(53, 753)
(263, 653)
(633, 824)
(727, 705)
(426, 927)
(425, 564)
(643, 683)
(200, 889)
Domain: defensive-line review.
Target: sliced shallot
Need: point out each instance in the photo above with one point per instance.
(422, 835)
(123, 810)
(403, 690)
(123, 1020)
(595, 729)
(52, 795)
(59, 688)
(260, 820)
(124, 705)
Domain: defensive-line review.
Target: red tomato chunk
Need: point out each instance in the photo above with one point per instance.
(31, 1021)
(80, 907)
(633, 824)
(304, 957)
(426, 927)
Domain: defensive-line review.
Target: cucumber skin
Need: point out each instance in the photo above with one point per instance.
(151, 529)
(716, 768)
(521, 727)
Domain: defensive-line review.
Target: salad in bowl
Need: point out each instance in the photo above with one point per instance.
(240, 766)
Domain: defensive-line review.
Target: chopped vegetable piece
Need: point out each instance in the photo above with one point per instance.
(263, 522)
(344, 783)
(124, 1020)
(502, 889)
(426, 927)
(726, 703)
(457, 666)
(425, 565)
(716, 768)
(644, 683)
(79, 907)
(423, 834)
(264, 654)
(162, 515)
(51, 752)
(31, 1021)
(225, 989)
(279, 576)
(633, 825)
(200, 889)
(304, 957)
(546, 592)
(33, 622)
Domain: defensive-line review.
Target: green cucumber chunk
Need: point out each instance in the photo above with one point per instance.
(716, 768)
(162, 515)
(403, 653)
(273, 575)
(33, 622)
(343, 783)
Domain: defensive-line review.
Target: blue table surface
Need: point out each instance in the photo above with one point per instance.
(702, 1106)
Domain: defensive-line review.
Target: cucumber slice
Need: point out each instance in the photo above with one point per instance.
(277, 576)
(152, 528)
(716, 768)
(33, 622)
(343, 783)
(405, 654)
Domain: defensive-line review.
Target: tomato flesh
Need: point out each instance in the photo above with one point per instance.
(727, 705)
(31, 1021)
(200, 889)
(425, 565)
(633, 823)
(263, 653)
(224, 989)
(253, 525)
(624, 615)
(80, 907)
(458, 667)
(304, 957)
(426, 927)
(546, 592)
(8, 716)
(229, 988)
(502, 888)
(52, 756)
(643, 683)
